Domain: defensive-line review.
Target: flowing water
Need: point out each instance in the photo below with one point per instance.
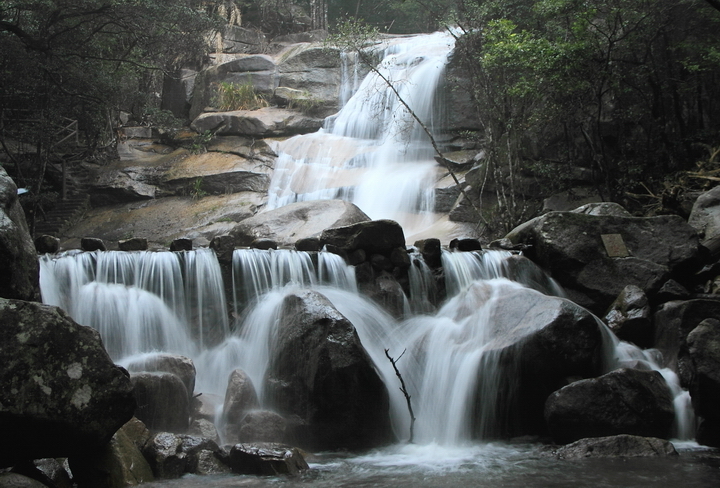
(374, 153)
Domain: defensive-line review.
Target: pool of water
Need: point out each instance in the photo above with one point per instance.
(482, 465)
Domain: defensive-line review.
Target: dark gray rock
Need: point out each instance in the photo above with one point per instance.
(18, 258)
(704, 357)
(224, 246)
(181, 244)
(625, 401)
(617, 446)
(47, 244)
(91, 244)
(308, 244)
(374, 237)
(15, 480)
(570, 247)
(322, 374)
(165, 455)
(60, 392)
(431, 251)
(204, 428)
(163, 401)
(240, 397)
(263, 244)
(705, 215)
(629, 317)
(465, 244)
(133, 244)
(261, 426)
(266, 459)
(181, 366)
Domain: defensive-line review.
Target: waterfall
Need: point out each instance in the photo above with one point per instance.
(144, 302)
(373, 152)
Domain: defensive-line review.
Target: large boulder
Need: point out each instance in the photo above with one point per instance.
(60, 393)
(704, 355)
(321, 373)
(18, 259)
(595, 257)
(298, 220)
(705, 216)
(534, 344)
(624, 401)
(629, 317)
(266, 459)
(240, 397)
(315, 70)
(181, 366)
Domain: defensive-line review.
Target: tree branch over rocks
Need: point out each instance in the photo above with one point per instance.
(404, 391)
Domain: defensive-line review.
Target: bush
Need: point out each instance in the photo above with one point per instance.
(232, 96)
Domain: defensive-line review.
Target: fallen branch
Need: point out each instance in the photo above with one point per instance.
(404, 392)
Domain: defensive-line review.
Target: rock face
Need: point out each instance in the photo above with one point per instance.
(322, 374)
(240, 397)
(617, 446)
(264, 122)
(373, 237)
(60, 392)
(163, 401)
(570, 246)
(299, 220)
(629, 317)
(704, 355)
(625, 401)
(18, 260)
(180, 366)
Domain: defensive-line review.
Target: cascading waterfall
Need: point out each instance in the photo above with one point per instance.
(148, 302)
(373, 152)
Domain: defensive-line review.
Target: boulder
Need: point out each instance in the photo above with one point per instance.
(431, 251)
(624, 401)
(240, 397)
(705, 216)
(617, 446)
(266, 459)
(209, 462)
(91, 244)
(535, 344)
(299, 220)
(60, 393)
(322, 374)
(181, 366)
(46, 244)
(204, 428)
(595, 257)
(181, 244)
(18, 259)
(374, 237)
(629, 317)
(163, 401)
(673, 322)
(261, 426)
(117, 464)
(120, 186)
(164, 454)
(15, 480)
(133, 244)
(704, 356)
(465, 244)
(315, 70)
(263, 122)
(236, 39)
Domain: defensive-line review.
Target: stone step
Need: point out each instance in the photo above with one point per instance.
(65, 212)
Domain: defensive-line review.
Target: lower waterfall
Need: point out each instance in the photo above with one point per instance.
(145, 302)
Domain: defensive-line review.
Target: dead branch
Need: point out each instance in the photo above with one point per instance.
(404, 392)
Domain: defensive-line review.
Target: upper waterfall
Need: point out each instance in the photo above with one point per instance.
(373, 152)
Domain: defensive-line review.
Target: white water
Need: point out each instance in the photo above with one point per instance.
(373, 152)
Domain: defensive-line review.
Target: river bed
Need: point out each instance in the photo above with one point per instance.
(482, 465)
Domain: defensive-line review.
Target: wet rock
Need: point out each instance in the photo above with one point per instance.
(400, 258)
(164, 454)
(672, 290)
(704, 357)
(56, 470)
(163, 401)
(322, 374)
(617, 446)
(266, 459)
(18, 258)
(263, 244)
(224, 246)
(60, 393)
(288, 224)
(261, 426)
(204, 428)
(374, 237)
(571, 247)
(673, 322)
(181, 244)
(47, 244)
(388, 293)
(629, 317)
(536, 343)
(431, 251)
(91, 244)
(240, 397)
(465, 244)
(308, 244)
(181, 366)
(119, 463)
(209, 462)
(133, 244)
(204, 406)
(625, 401)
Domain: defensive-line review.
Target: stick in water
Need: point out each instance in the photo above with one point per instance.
(404, 392)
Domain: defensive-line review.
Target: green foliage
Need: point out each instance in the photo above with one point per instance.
(162, 118)
(196, 190)
(233, 96)
(304, 102)
(201, 141)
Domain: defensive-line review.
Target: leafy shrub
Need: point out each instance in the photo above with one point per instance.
(233, 96)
